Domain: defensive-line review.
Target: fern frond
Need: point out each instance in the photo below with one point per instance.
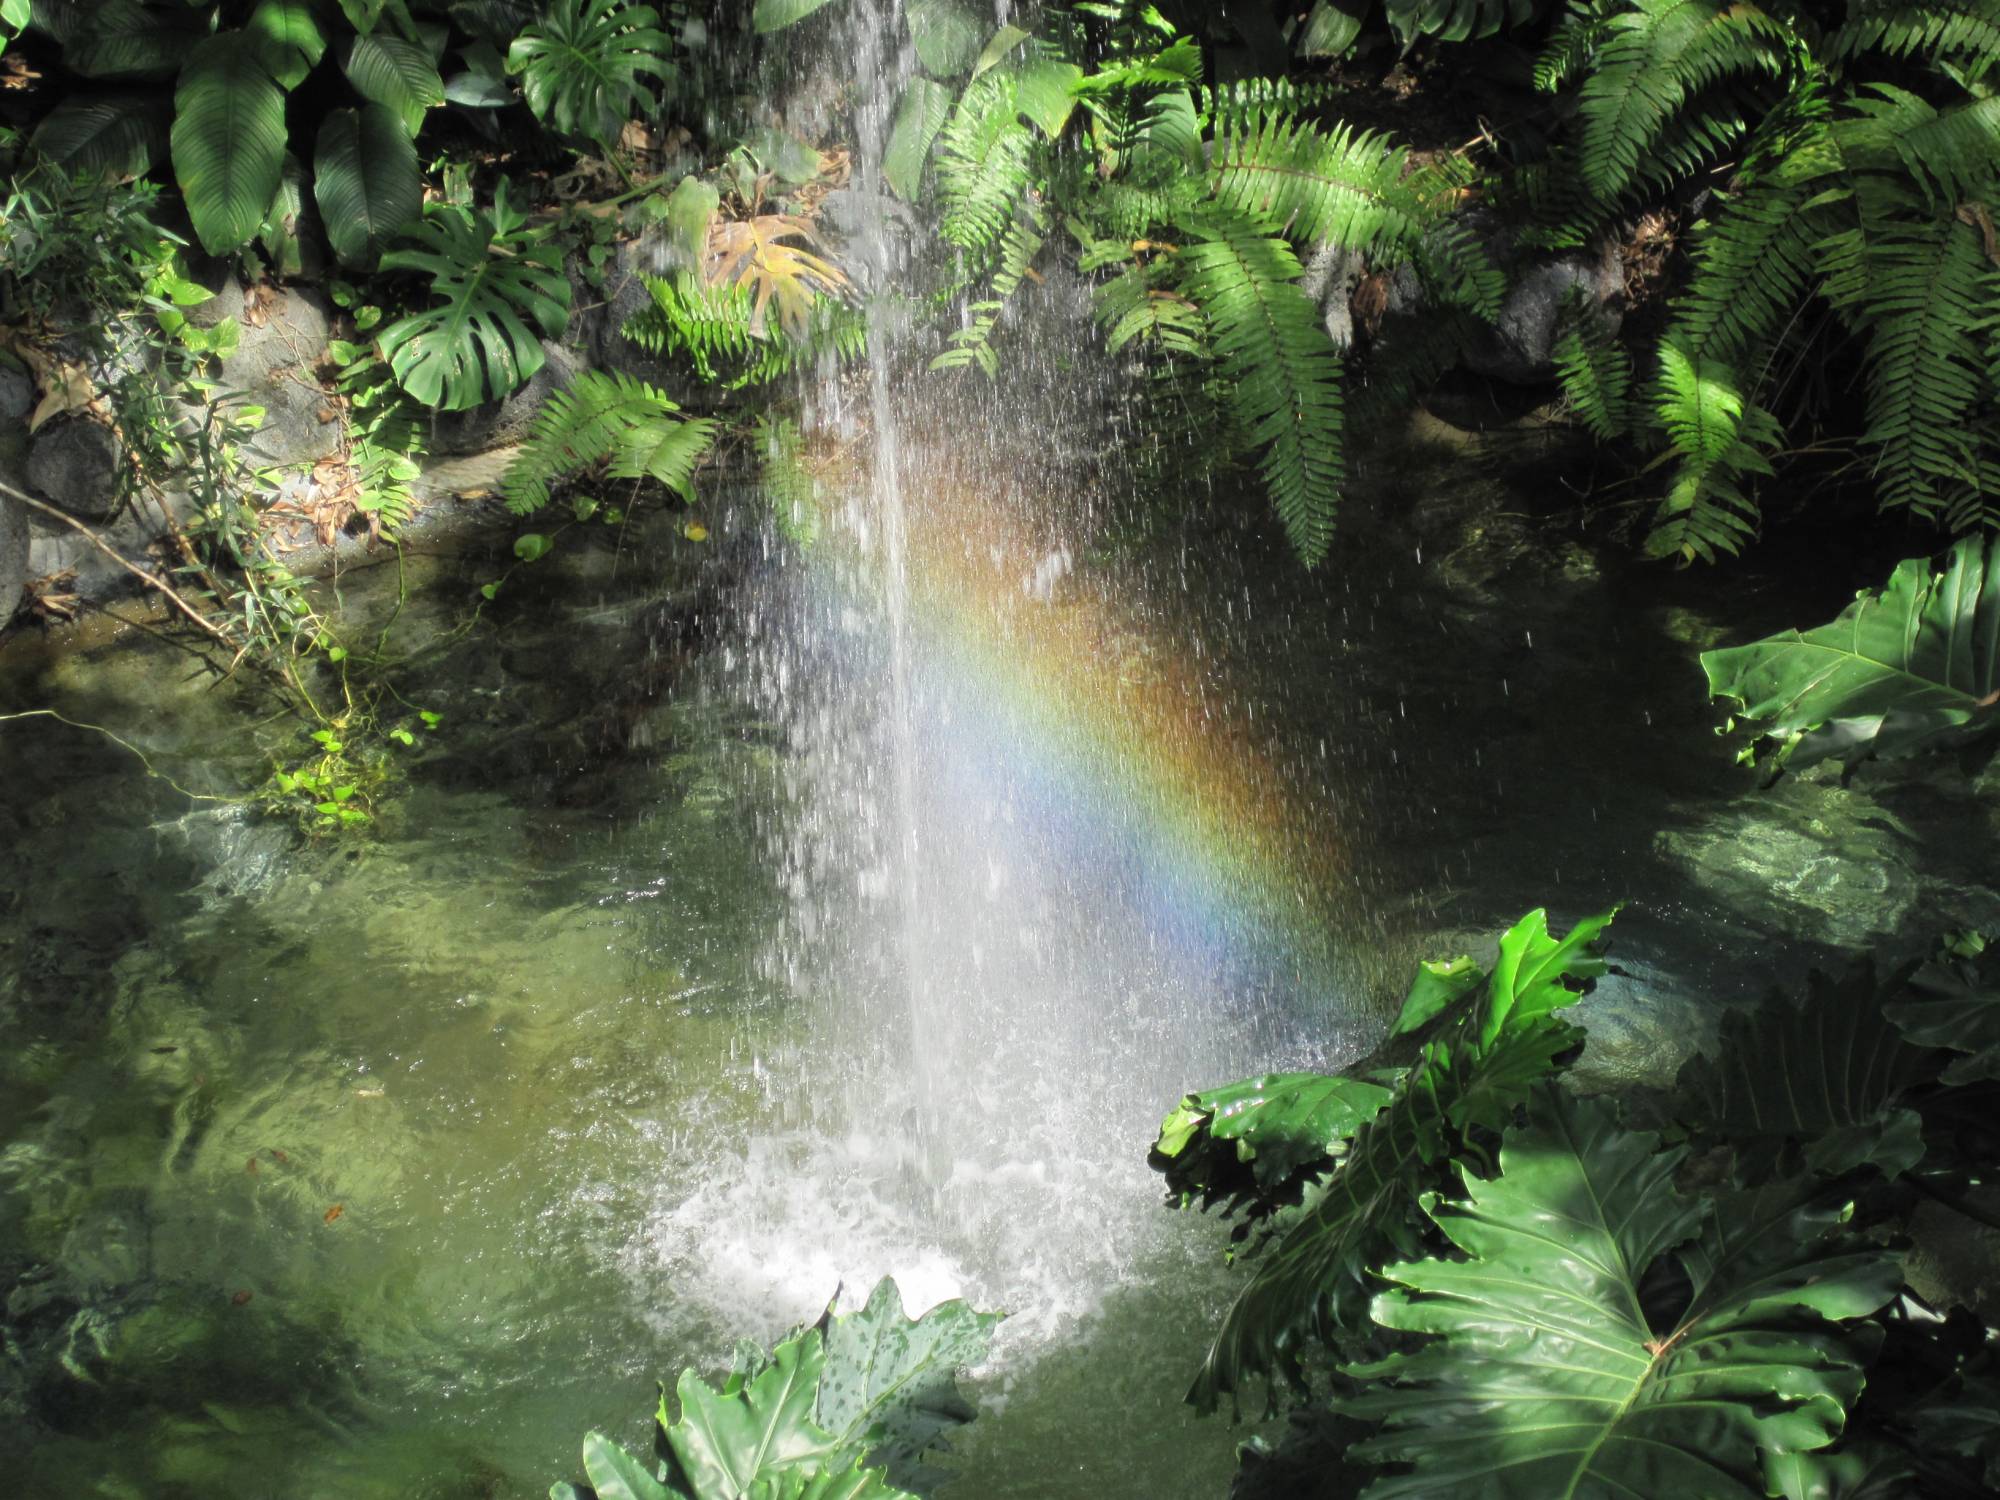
(576, 428)
(1595, 370)
(1137, 307)
(1653, 57)
(1756, 252)
(788, 480)
(973, 344)
(1928, 29)
(1283, 372)
(1927, 376)
(708, 324)
(833, 332)
(1955, 155)
(983, 163)
(1339, 187)
(664, 449)
(1572, 43)
(1717, 435)
(1238, 106)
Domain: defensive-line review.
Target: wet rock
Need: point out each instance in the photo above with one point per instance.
(1331, 276)
(13, 555)
(1810, 861)
(73, 463)
(17, 394)
(273, 367)
(109, 1247)
(1519, 346)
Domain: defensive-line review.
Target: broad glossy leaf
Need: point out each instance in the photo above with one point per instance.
(288, 39)
(1536, 974)
(499, 289)
(1440, 984)
(851, 1483)
(129, 39)
(109, 135)
(366, 180)
(723, 1443)
(616, 1474)
(395, 73)
(889, 1389)
(1913, 667)
(690, 210)
(1545, 1376)
(1254, 1137)
(1825, 1070)
(1045, 90)
(228, 141)
(946, 33)
(581, 64)
(776, 15)
(1959, 1011)
(919, 117)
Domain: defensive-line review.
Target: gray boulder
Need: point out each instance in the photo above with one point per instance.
(73, 462)
(273, 367)
(17, 394)
(1519, 346)
(13, 555)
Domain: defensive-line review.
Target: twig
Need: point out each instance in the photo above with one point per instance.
(121, 743)
(149, 579)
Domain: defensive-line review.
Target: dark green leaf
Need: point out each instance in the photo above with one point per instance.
(616, 1474)
(397, 74)
(109, 135)
(228, 141)
(366, 180)
(288, 39)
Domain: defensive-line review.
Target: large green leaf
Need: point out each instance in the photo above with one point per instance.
(616, 1475)
(497, 285)
(889, 1390)
(106, 135)
(288, 38)
(1956, 1006)
(1251, 1145)
(1825, 1071)
(725, 1441)
(1915, 666)
(366, 179)
(946, 33)
(1496, 1042)
(228, 141)
(919, 117)
(776, 15)
(582, 61)
(1547, 1375)
(395, 73)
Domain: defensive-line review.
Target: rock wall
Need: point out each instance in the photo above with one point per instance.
(72, 461)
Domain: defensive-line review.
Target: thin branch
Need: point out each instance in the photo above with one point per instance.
(123, 744)
(149, 579)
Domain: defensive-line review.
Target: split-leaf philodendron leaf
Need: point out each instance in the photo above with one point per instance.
(845, 1411)
(1555, 1368)
(1497, 1036)
(1913, 667)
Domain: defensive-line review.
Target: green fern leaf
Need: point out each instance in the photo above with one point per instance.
(1595, 370)
(983, 163)
(1930, 29)
(1339, 187)
(1283, 372)
(578, 427)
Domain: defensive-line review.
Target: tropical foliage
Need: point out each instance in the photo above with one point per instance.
(1529, 1295)
(851, 1408)
(1913, 667)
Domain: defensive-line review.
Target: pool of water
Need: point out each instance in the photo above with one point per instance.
(390, 1165)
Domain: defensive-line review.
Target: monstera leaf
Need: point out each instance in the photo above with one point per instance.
(846, 1411)
(499, 290)
(1498, 1037)
(581, 62)
(1911, 668)
(228, 140)
(1825, 1071)
(1557, 1365)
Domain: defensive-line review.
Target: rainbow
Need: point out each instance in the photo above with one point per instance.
(1122, 737)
